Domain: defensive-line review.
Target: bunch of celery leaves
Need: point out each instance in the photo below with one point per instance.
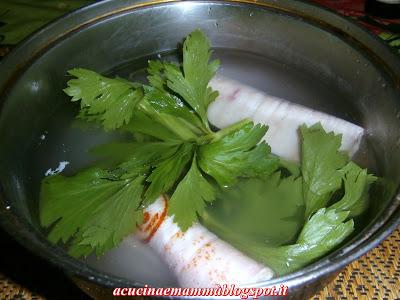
(283, 214)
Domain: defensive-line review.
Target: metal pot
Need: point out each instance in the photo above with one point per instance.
(323, 61)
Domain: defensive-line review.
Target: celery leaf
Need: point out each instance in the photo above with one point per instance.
(356, 186)
(190, 197)
(269, 209)
(237, 154)
(168, 172)
(192, 82)
(85, 207)
(320, 164)
(109, 101)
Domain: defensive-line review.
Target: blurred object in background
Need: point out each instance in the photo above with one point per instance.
(389, 9)
(387, 29)
(19, 18)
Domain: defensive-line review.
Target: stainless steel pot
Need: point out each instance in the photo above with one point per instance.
(326, 62)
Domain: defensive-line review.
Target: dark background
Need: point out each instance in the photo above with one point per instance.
(34, 273)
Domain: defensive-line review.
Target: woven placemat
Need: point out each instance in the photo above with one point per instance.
(12, 290)
(374, 276)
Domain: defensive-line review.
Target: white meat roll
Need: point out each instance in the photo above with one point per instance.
(197, 257)
(237, 101)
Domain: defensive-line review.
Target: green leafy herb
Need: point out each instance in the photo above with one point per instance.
(235, 152)
(167, 172)
(156, 76)
(111, 101)
(117, 102)
(276, 201)
(147, 155)
(174, 124)
(321, 161)
(142, 123)
(292, 167)
(269, 209)
(173, 150)
(356, 185)
(324, 231)
(192, 82)
(177, 146)
(166, 103)
(188, 200)
(113, 154)
(86, 206)
(21, 17)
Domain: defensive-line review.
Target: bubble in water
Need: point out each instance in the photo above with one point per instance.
(35, 86)
(159, 56)
(251, 14)
(209, 10)
(384, 85)
(43, 136)
(398, 115)
(8, 207)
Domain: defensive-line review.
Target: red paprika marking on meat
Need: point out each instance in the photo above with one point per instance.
(158, 220)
